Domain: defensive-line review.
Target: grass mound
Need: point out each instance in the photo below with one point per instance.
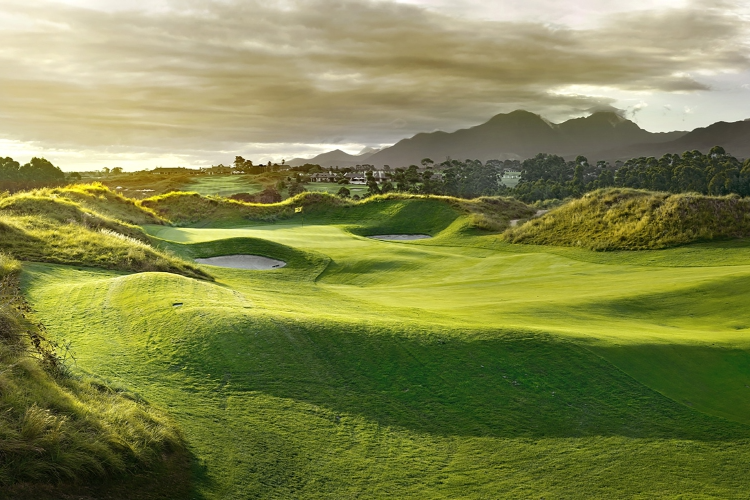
(627, 219)
(300, 264)
(393, 212)
(49, 225)
(58, 430)
(101, 199)
(318, 390)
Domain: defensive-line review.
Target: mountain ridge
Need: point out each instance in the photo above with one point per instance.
(603, 135)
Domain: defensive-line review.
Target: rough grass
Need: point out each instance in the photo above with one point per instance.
(66, 226)
(57, 431)
(193, 209)
(626, 219)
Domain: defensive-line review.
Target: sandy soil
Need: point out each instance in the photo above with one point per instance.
(514, 222)
(254, 262)
(400, 237)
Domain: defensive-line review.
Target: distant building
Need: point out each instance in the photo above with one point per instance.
(218, 169)
(356, 178)
(323, 177)
(170, 170)
(511, 178)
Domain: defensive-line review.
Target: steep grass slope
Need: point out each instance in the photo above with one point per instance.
(387, 212)
(58, 433)
(78, 225)
(627, 219)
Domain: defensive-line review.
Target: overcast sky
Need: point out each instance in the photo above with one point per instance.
(93, 83)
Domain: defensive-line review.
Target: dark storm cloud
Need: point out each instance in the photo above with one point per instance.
(207, 75)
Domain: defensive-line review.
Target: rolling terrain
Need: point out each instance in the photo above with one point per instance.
(457, 366)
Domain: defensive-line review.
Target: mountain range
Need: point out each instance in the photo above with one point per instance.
(603, 135)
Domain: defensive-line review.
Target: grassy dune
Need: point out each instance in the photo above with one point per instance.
(85, 226)
(628, 219)
(460, 366)
(196, 210)
(66, 435)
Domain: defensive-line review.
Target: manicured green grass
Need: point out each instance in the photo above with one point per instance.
(223, 185)
(457, 367)
(63, 434)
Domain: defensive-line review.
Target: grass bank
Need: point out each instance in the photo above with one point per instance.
(86, 226)
(628, 219)
(390, 212)
(62, 434)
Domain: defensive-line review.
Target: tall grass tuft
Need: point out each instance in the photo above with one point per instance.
(48, 225)
(55, 428)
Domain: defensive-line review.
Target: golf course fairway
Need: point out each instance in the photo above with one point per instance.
(453, 367)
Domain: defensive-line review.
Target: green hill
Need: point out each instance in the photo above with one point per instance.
(460, 366)
(84, 226)
(628, 219)
(61, 434)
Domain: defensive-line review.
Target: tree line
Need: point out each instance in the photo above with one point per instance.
(716, 173)
(548, 176)
(38, 172)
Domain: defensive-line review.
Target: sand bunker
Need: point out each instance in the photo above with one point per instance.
(400, 237)
(253, 262)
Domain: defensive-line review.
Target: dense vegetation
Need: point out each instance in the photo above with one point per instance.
(716, 173)
(627, 219)
(38, 172)
(546, 176)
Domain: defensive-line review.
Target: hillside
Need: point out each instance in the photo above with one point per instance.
(456, 366)
(626, 219)
(336, 158)
(734, 137)
(516, 135)
(519, 135)
(63, 435)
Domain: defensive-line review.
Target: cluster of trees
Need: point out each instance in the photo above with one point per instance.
(464, 179)
(36, 173)
(247, 167)
(716, 173)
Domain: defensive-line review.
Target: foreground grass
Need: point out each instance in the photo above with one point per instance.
(67, 435)
(454, 367)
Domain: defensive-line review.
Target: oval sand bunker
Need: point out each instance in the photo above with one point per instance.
(252, 262)
(400, 237)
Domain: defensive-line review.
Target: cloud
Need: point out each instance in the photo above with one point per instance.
(214, 75)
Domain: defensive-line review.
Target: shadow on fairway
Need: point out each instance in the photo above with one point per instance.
(512, 385)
